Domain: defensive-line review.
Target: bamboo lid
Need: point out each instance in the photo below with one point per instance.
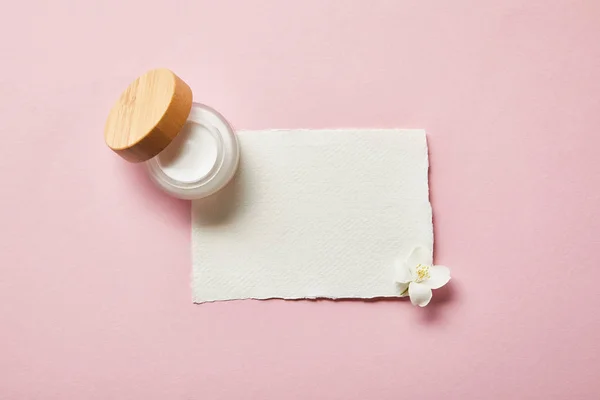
(148, 115)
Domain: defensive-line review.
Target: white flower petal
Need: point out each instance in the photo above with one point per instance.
(420, 294)
(403, 289)
(419, 255)
(439, 276)
(402, 273)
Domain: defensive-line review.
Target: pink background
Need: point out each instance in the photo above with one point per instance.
(95, 262)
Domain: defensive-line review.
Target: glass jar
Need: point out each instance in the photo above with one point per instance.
(190, 150)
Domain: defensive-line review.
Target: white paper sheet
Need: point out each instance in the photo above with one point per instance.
(313, 213)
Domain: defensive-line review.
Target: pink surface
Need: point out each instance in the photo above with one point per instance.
(95, 263)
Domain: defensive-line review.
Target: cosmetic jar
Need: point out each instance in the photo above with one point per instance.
(189, 149)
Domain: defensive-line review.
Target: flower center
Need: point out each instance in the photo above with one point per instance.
(422, 273)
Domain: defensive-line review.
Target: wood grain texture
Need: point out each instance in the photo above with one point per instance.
(148, 115)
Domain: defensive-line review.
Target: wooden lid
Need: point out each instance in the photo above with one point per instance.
(148, 115)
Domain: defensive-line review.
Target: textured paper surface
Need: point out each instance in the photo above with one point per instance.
(313, 213)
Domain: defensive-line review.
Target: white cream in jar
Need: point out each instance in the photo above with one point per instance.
(190, 150)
